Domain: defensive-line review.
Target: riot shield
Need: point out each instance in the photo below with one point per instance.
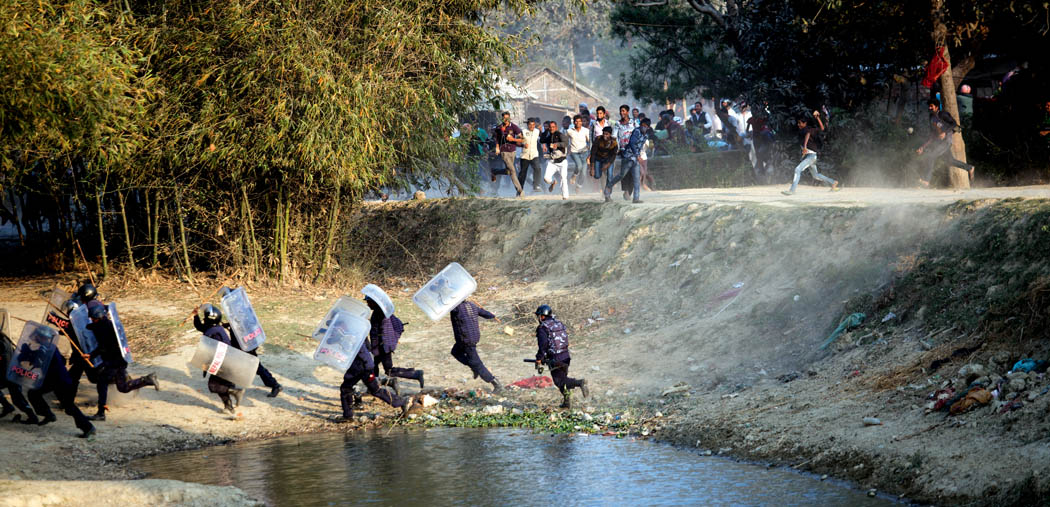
(344, 304)
(86, 338)
(6, 344)
(55, 319)
(225, 362)
(32, 356)
(118, 330)
(380, 297)
(245, 324)
(446, 290)
(342, 340)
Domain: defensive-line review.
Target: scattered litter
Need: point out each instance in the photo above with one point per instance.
(788, 377)
(796, 298)
(680, 388)
(852, 321)
(507, 330)
(738, 285)
(1011, 406)
(428, 401)
(626, 330)
(695, 271)
(940, 398)
(889, 316)
(1027, 365)
(493, 409)
(730, 396)
(595, 368)
(535, 382)
(872, 421)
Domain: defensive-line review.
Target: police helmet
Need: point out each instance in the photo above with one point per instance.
(98, 312)
(70, 305)
(544, 310)
(87, 292)
(44, 334)
(210, 314)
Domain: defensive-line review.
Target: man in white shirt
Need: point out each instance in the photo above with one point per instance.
(530, 156)
(600, 123)
(579, 148)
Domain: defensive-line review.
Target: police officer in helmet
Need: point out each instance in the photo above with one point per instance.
(552, 340)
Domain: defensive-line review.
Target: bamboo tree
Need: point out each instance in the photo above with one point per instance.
(127, 234)
(332, 223)
(155, 232)
(101, 234)
(182, 236)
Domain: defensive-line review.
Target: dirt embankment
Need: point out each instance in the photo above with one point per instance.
(728, 301)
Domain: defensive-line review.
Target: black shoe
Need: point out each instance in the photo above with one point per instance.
(583, 389)
(637, 201)
(566, 400)
(475, 375)
(47, 420)
(275, 391)
(420, 378)
(88, 433)
(496, 386)
(100, 416)
(5, 411)
(227, 406)
(151, 380)
(551, 188)
(342, 419)
(30, 419)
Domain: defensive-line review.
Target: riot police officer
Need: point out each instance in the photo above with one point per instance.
(114, 369)
(552, 340)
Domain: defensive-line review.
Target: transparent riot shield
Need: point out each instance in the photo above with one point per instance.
(56, 318)
(122, 335)
(342, 340)
(88, 343)
(225, 362)
(380, 297)
(446, 290)
(245, 324)
(343, 304)
(7, 346)
(32, 355)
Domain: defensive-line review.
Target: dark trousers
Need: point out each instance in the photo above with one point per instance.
(78, 368)
(468, 355)
(523, 172)
(58, 381)
(357, 372)
(387, 360)
(220, 387)
(17, 399)
(118, 375)
(560, 376)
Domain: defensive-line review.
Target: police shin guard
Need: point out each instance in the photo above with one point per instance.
(151, 380)
(496, 385)
(274, 391)
(584, 389)
(227, 404)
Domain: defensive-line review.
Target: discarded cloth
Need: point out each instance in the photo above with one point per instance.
(848, 323)
(976, 396)
(1028, 364)
(536, 382)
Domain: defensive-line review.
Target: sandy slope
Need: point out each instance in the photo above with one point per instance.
(719, 289)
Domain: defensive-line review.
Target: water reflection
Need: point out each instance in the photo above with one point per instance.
(489, 467)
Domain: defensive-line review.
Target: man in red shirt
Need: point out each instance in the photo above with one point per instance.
(508, 138)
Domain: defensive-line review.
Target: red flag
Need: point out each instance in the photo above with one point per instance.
(938, 64)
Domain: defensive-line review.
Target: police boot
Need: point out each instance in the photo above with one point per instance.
(406, 407)
(9, 408)
(48, 419)
(359, 400)
(236, 394)
(227, 405)
(151, 380)
(566, 400)
(88, 432)
(583, 388)
(99, 416)
(496, 385)
(274, 391)
(392, 383)
(419, 376)
(30, 419)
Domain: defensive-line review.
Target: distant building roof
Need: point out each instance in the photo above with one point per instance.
(569, 83)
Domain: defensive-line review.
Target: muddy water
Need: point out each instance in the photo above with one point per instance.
(490, 467)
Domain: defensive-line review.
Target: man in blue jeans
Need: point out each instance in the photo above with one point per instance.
(809, 138)
(603, 154)
(630, 154)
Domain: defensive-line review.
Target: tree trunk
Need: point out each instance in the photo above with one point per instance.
(256, 252)
(155, 230)
(127, 233)
(101, 234)
(948, 99)
(331, 234)
(182, 237)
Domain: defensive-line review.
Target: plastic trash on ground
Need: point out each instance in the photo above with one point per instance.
(445, 291)
(245, 324)
(225, 362)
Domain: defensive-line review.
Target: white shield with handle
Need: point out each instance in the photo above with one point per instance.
(245, 324)
(32, 355)
(343, 304)
(342, 340)
(445, 291)
(380, 297)
(225, 362)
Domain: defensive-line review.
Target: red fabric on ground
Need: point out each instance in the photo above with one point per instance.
(538, 382)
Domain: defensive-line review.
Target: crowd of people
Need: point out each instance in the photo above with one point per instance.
(100, 353)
